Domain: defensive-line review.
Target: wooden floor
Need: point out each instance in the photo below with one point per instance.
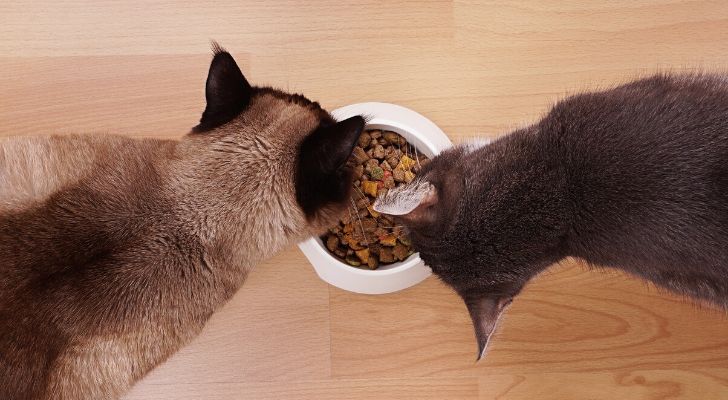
(138, 68)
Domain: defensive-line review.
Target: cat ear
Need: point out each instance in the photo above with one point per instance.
(322, 177)
(485, 312)
(227, 91)
(412, 202)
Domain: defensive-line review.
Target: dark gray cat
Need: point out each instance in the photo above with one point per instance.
(634, 178)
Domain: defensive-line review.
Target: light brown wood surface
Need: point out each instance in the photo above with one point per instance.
(138, 68)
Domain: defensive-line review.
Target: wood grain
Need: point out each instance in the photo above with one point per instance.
(474, 68)
(329, 389)
(569, 320)
(637, 384)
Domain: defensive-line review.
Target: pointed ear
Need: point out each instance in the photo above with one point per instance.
(322, 177)
(330, 146)
(485, 312)
(227, 91)
(412, 202)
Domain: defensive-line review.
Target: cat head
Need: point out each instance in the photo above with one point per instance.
(470, 215)
(274, 152)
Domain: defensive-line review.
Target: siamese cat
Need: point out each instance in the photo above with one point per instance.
(633, 178)
(114, 252)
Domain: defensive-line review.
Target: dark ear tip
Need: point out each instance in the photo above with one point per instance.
(216, 48)
(227, 91)
(361, 121)
(356, 123)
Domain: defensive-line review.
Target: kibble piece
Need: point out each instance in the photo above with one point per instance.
(406, 162)
(385, 166)
(393, 161)
(350, 241)
(377, 173)
(332, 243)
(369, 224)
(359, 155)
(372, 263)
(386, 256)
(364, 139)
(398, 174)
(358, 172)
(363, 213)
(389, 182)
(388, 240)
(400, 251)
(408, 176)
(362, 203)
(372, 212)
(363, 255)
(370, 164)
(405, 240)
(375, 134)
(353, 260)
(370, 188)
(378, 152)
(391, 137)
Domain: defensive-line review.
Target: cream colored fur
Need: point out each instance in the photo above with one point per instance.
(184, 222)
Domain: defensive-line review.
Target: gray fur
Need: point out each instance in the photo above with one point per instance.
(633, 178)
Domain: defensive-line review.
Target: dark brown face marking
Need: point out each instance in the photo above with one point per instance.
(322, 177)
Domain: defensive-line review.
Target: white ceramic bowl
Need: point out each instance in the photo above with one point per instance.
(428, 139)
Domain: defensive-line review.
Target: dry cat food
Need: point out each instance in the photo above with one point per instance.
(364, 238)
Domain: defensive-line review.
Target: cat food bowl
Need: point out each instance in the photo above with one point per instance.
(429, 140)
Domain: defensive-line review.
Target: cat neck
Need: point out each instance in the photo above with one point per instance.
(244, 210)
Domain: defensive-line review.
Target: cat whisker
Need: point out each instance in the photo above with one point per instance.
(364, 196)
(361, 225)
(351, 216)
(392, 227)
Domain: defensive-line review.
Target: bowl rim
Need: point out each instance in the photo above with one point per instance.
(410, 124)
